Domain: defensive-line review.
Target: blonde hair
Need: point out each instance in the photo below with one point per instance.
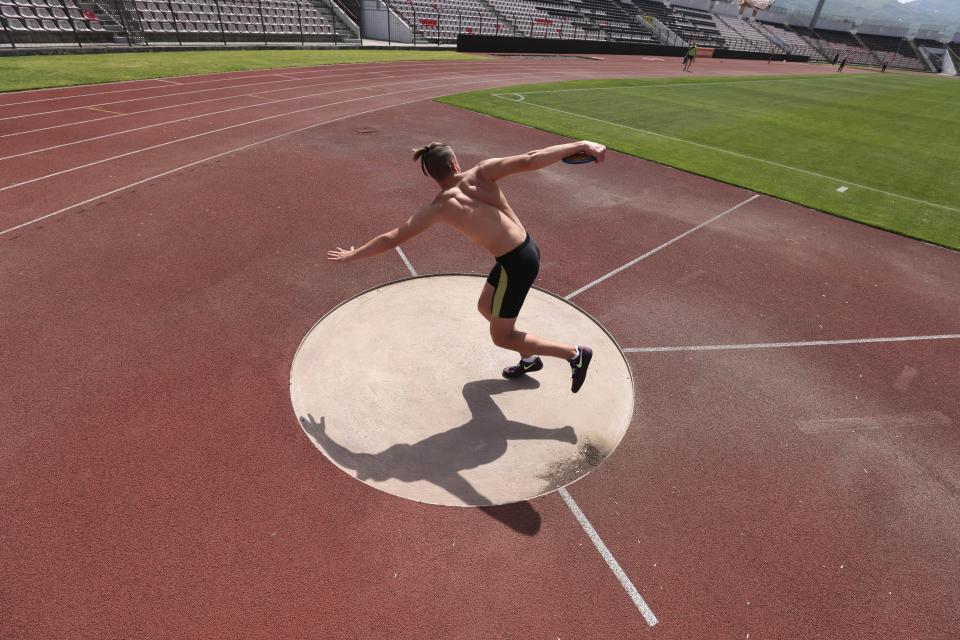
(436, 160)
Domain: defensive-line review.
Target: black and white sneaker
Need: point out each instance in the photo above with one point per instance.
(522, 368)
(579, 366)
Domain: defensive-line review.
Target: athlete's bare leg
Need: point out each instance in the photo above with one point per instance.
(505, 336)
(485, 303)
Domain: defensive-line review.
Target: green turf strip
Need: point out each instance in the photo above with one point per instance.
(891, 140)
(36, 72)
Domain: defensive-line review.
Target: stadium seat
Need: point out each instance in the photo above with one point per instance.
(9, 12)
(14, 24)
(89, 14)
(33, 25)
(96, 26)
(27, 13)
(80, 25)
(64, 25)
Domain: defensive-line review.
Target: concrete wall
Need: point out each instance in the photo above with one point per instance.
(929, 34)
(693, 4)
(381, 23)
(497, 44)
(883, 30)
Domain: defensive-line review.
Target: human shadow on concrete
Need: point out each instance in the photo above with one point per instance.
(519, 516)
(441, 457)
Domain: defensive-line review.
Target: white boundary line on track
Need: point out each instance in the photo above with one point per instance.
(229, 97)
(233, 126)
(236, 149)
(801, 343)
(618, 571)
(595, 538)
(732, 153)
(662, 246)
(269, 73)
(269, 101)
(452, 67)
(406, 261)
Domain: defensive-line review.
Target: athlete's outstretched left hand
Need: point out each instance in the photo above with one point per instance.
(341, 255)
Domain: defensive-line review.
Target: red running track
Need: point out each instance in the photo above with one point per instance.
(156, 483)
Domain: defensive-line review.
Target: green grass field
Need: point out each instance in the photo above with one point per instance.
(891, 140)
(18, 73)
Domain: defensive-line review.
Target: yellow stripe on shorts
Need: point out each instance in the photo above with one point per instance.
(499, 293)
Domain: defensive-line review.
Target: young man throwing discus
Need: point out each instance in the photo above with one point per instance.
(472, 203)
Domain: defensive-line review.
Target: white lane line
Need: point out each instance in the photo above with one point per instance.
(738, 155)
(193, 91)
(193, 102)
(212, 131)
(618, 571)
(406, 261)
(433, 71)
(268, 74)
(230, 110)
(241, 148)
(662, 246)
(801, 343)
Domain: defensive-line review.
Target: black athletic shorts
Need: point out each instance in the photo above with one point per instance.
(512, 277)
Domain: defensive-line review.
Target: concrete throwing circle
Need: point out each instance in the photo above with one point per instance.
(401, 388)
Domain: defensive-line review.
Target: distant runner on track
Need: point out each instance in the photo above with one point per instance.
(690, 57)
(472, 203)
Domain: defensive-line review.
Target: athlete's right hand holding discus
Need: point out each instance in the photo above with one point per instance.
(594, 149)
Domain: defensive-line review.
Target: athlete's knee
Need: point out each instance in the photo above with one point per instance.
(501, 336)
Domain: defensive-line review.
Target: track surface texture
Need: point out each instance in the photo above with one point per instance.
(156, 284)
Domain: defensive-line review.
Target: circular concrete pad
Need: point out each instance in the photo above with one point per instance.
(401, 388)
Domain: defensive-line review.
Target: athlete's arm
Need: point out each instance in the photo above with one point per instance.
(496, 168)
(415, 224)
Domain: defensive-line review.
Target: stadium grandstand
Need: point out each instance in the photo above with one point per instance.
(709, 24)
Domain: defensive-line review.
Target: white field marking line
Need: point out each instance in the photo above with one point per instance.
(315, 69)
(406, 261)
(661, 247)
(428, 70)
(230, 97)
(202, 115)
(212, 131)
(742, 155)
(802, 343)
(215, 113)
(183, 93)
(618, 571)
(676, 84)
(229, 151)
(186, 104)
(201, 161)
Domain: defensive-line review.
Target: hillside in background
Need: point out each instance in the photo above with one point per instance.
(919, 12)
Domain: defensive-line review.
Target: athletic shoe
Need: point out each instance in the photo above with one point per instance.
(522, 368)
(579, 367)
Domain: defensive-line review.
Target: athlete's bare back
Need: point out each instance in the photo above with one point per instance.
(476, 207)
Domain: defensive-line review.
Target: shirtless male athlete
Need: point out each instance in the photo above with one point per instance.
(472, 203)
